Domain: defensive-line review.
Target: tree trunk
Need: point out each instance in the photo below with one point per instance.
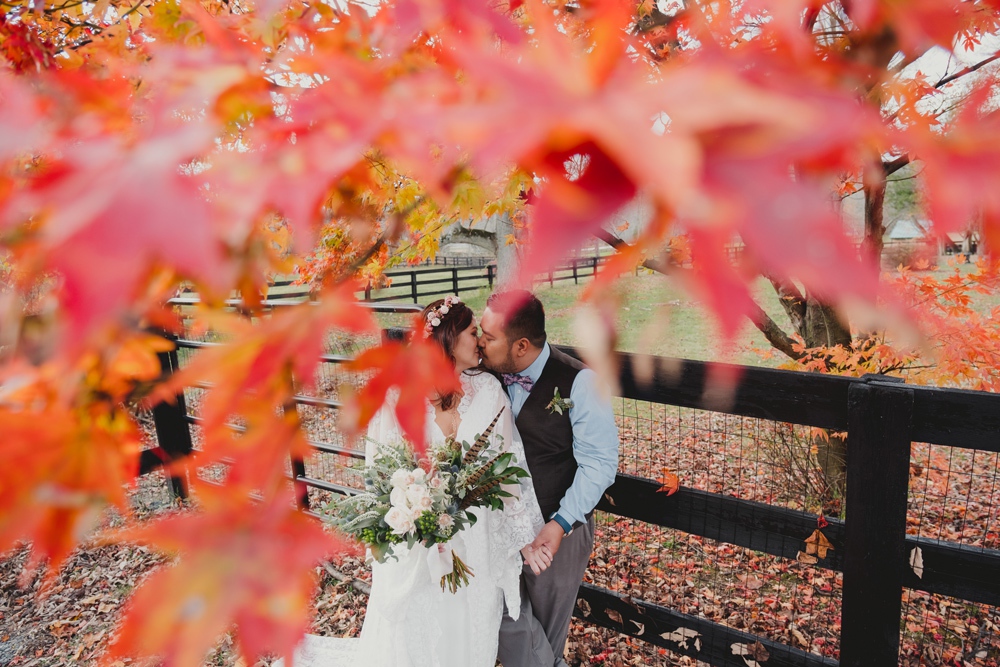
(508, 254)
(822, 327)
(874, 189)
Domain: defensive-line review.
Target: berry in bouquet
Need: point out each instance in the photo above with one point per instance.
(428, 501)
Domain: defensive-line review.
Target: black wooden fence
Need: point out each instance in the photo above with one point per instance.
(456, 260)
(871, 548)
(419, 285)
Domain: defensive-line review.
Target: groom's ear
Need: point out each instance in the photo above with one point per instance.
(521, 347)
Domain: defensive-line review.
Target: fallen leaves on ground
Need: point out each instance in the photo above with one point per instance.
(953, 496)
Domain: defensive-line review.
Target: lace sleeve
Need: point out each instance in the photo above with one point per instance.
(521, 519)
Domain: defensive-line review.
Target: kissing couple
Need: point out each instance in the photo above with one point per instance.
(529, 557)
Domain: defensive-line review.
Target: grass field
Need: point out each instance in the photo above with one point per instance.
(657, 316)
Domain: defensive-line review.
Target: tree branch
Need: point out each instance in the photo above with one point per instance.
(656, 19)
(778, 339)
(792, 300)
(890, 168)
(968, 70)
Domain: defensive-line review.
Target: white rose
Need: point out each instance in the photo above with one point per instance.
(436, 483)
(414, 493)
(445, 521)
(419, 476)
(443, 310)
(399, 520)
(397, 498)
(436, 321)
(398, 478)
(424, 503)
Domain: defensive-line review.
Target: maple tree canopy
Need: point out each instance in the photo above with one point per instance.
(151, 144)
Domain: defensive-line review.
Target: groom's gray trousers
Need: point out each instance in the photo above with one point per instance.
(537, 637)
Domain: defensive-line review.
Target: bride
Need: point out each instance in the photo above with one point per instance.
(410, 621)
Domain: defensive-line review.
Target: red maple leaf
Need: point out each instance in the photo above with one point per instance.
(570, 211)
(252, 565)
(91, 200)
(418, 370)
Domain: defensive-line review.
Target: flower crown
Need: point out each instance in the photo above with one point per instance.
(434, 315)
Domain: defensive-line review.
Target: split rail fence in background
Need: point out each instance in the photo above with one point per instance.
(420, 285)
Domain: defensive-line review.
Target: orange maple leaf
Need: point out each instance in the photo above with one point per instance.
(818, 544)
(133, 361)
(669, 481)
(62, 467)
(249, 565)
(256, 373)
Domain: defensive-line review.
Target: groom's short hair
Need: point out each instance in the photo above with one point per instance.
(522, 313)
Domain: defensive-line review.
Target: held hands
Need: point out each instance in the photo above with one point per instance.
(549, 538)
(538, 555)
(537, 559)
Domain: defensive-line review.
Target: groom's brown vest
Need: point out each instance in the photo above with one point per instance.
(548, 435)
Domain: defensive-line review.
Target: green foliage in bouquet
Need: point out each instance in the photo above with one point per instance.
(427, 502)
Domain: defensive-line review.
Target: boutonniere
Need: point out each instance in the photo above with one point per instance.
(558, 404)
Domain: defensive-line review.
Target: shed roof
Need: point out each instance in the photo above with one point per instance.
(906, 229)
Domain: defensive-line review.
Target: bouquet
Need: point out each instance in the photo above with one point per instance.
(427, 501)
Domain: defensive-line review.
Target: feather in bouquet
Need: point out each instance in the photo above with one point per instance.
(427, 502)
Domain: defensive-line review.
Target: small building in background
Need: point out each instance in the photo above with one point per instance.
(907, 231)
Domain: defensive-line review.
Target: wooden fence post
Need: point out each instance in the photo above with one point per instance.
(173, 434)
(368, 291)
(880, 412)
(454, 279)
(576, 281)
(290, 412)
(489, 275)
(413, 287)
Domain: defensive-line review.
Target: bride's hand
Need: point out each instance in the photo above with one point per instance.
(537, 559)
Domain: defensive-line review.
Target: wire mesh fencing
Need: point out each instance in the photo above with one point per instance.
(781, 590)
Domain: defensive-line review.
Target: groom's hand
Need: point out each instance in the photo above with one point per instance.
(537, 559)
(550, 537)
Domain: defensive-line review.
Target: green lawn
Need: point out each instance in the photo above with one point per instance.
(658, 317)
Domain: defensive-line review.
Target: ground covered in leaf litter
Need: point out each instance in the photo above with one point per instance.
(954, 496)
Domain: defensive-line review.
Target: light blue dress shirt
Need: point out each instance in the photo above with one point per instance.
(595, 438)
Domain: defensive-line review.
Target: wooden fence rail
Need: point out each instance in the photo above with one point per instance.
(421, 285)
(870, 546)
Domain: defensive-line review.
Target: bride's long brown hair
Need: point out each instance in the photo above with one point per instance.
(453, 323)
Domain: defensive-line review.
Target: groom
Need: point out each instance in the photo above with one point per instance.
(571, 443)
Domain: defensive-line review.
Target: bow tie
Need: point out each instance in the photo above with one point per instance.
(516, 378)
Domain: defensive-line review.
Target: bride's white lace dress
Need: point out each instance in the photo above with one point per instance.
(410, 621)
